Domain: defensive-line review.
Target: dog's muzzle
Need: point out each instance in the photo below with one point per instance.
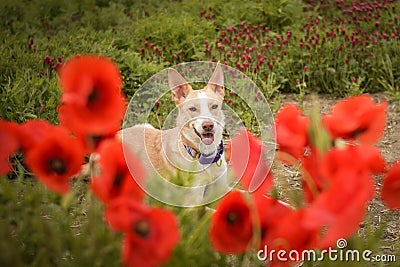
(207, 138)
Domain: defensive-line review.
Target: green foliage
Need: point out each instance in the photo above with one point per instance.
(178, 30)
(36, 230)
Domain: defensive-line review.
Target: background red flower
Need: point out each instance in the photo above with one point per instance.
(56, 158)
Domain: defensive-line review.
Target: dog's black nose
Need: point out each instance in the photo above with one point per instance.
(207, 126)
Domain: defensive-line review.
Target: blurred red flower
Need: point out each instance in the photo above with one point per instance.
(312, 181)
(231, 225)
(92, 142)
(391, 187)
(56, 158)
(291, 130)
(92, 101)
(247, 157)
(120, 211)
(340, 209)
(270, 213)
(9, 143)
(150, 233)
(357, 118)
(347, 188)
(290, 235)
(32, 132)
(115, 178)
(358, 158)
(318, 170)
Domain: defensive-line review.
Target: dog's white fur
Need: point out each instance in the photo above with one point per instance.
(163, 151)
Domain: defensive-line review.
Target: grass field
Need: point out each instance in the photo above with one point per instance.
(289, 49)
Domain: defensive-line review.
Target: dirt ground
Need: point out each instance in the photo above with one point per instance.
(378, 215)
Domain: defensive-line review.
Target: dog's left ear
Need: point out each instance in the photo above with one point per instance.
(180, 88)
(216, 82)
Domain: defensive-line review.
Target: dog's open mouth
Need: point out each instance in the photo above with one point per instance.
(206, 138)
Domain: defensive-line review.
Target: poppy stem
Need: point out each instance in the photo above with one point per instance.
(66, 200)
(310, 184)
(201, 224)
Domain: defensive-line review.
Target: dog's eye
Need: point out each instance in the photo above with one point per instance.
(192, 108)
(215, 106)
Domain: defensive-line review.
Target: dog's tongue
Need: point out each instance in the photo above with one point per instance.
(207, 138)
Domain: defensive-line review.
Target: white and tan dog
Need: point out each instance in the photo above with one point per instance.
(195, 145)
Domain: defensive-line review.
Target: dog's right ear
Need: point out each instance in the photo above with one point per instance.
(180, 88)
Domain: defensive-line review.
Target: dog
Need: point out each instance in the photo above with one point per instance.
(195, 146)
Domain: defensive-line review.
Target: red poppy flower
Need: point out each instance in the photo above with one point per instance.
(92, 101)
(291, 130)
(318, 170)
(340, 209)
(369, 159)
(293, 237)
(32, 132)
(9, 143)
(312, 181)
(270, 214)
(391, 187)
(115, 178)
(357, 118)
(120, 211)
(92, 142)
(56, 158)
(348, 186)
(150, 233)
(231, 225)
(247, 157)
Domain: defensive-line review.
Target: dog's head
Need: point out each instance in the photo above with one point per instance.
(200, 118)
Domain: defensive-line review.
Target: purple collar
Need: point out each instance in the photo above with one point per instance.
(206, 158)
